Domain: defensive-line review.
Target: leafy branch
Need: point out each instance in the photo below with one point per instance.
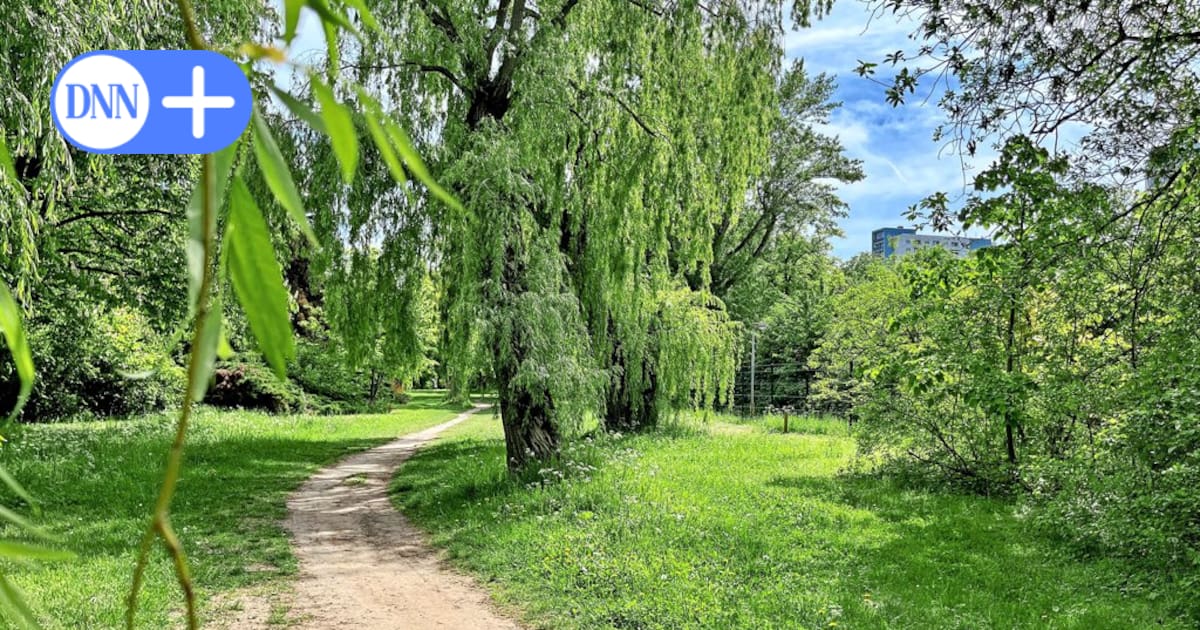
(248, 257)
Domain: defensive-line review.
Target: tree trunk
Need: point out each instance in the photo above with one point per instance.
(530, 433)
(1010, 365)
(620, 413)
(526, 409)
(375, 382)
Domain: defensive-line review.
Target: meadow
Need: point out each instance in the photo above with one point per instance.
(95, 483)
(725, 525)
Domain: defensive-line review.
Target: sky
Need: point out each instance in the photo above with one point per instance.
(895, 144)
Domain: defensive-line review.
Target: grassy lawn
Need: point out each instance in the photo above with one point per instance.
(739, 526)
(97, 480)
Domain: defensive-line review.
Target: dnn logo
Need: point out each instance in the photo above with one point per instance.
(108, 102)
(151, 101)
(101, 88)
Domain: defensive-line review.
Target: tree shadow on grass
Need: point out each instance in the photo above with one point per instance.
(418, 485)
(784, 548)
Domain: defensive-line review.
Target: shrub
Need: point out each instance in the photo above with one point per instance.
(320, 369)
(91, 362)
(246, 385)
(1135, 490)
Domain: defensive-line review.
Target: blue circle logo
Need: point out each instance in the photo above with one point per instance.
(151, 101)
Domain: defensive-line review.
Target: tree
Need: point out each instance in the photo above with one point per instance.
(593, 145)
(1121, 71)
(795, 199)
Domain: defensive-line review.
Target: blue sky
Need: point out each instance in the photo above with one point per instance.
(895, 144)
(901, 161)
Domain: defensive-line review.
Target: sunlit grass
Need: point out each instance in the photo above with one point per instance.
(739, 526)
(811, 425)
(95, 482)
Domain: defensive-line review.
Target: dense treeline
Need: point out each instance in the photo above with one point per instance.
(1060, 364)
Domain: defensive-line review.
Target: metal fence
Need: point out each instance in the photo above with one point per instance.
(761, 388)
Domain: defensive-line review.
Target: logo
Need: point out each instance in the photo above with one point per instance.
(151, 101)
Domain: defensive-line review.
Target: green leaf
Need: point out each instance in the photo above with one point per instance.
(206, 350)
(224, 350)
(331, 47)
(6, 161)
(385, 147)
(417, 167)
(379, 135)
(14, 550)
(291, 13)
(12, 484)
(278, 176)
(300, 109)
(223, 164)
(339, 126)
(258, 280)
(140, 375)
(12, 600)
(14, 335)
(20, 521)
(331, 18)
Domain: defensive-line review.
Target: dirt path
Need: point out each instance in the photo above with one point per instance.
(362, 564)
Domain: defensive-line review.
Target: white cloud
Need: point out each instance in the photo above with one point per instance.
(901, 161)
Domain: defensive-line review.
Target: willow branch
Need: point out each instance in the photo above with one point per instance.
(160, 523)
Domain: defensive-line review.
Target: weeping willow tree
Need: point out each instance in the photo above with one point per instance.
(596, 146)
(372, 270)
(70, 218)
(671, 144)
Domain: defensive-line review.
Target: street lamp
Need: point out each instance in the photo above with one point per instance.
(758, 327)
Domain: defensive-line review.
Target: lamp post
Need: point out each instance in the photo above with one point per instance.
(758, 327)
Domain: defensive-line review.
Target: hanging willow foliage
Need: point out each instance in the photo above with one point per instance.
(596, 144)
(37, 170)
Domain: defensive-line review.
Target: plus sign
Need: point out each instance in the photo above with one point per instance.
(198, 102)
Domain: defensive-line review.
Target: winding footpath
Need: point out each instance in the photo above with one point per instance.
(363, 565)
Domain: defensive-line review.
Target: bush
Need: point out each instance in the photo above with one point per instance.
(1135, 490)
(253, 386)
(321, 370)
(98, 363)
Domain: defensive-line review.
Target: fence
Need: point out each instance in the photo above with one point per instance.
(759, 388)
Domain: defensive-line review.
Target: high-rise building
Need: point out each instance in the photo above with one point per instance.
(897, 241)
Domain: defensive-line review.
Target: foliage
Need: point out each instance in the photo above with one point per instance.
(322, 370)
(252, 386)
(1121, 72)
(1095, 274)
(795, 207)
(92, 478)
(1058, 362)
(98, 362)
(639, 531)
(858, 333)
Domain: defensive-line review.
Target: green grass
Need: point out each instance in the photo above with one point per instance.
(811, 425)
(742, 527)
(96, 481)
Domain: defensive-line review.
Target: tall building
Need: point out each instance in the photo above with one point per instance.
(897, 241)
